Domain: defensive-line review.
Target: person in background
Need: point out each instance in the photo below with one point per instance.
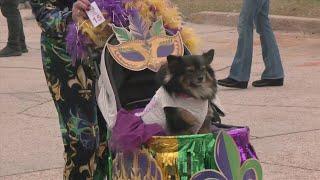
(16, 44)
(255, 11)
(72, 88)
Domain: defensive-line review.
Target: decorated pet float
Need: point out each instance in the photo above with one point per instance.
(136, 39)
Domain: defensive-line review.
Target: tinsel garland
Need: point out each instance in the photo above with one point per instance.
(82, 36)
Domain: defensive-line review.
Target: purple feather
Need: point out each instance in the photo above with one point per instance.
(78, 43)
(138, 27)
(75, 44)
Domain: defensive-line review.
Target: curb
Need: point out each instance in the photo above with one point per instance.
(279, 23)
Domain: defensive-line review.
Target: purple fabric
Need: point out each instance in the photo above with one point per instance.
(130, 132)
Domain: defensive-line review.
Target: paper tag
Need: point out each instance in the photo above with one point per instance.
(95, 15)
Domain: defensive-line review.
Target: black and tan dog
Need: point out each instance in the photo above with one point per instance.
(182, 105)
(189, 76)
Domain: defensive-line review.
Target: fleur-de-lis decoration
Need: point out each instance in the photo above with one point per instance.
(56, 89)
(135, 174)
(227, 158)
(135, 166)
(82, 80)
(90, 167)
(84, 131)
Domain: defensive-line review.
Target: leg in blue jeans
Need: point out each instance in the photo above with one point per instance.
(255, 11)
(270, 50)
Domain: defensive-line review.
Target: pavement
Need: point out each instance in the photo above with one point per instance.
(284, 121)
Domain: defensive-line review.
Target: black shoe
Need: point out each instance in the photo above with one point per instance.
(24, 49)
(9, 51)
(228, 82)
(268, 82)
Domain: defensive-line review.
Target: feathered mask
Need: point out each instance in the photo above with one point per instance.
(83, 37)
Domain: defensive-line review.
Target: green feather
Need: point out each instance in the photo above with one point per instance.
(122, 34)
(157, 28)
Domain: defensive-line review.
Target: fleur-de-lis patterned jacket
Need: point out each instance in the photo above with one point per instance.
(53, 16)
(72, 90)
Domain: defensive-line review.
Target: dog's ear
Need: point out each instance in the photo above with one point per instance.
(209, 55)
(174, 62)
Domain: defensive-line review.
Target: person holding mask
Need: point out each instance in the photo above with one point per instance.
(72, 88)
(16, 40)
(255, 11)
(72, 78)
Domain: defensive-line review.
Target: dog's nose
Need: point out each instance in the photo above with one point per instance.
(200, 78)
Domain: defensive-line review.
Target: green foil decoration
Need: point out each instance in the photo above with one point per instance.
(180, 157)
(227, 158)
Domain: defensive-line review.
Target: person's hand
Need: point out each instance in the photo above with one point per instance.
(79, 8)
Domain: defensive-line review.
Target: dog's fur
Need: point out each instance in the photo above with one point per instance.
(193, 76)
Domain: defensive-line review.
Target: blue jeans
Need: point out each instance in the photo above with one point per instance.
(256, 11)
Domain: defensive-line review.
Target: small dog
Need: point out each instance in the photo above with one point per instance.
(182, 104)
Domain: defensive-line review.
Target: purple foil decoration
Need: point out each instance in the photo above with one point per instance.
(241, 137)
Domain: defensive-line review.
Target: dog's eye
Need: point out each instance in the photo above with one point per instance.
(190, 71)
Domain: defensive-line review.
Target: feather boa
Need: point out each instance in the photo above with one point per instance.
(83, 36)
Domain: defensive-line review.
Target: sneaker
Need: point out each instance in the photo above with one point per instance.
(9, 51)
(268, 82)
(229, 82)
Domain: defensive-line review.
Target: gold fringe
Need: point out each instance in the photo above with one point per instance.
(166, 152)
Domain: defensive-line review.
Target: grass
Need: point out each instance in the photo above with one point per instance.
(302, 8)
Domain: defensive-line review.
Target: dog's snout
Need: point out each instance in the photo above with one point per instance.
(200, 78)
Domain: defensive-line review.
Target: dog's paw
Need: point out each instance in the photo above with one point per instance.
(180, 121)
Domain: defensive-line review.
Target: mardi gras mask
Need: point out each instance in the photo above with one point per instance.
(142, 47)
